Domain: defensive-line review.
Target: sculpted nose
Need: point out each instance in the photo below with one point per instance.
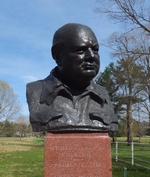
(90, 52)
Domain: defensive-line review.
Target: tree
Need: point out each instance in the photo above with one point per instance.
(107, 80)
(145, 83)
(128, 74)
(9, 106)
(22, 126)
(122, 83)
(122, 132)
(136, 47)
(8, 129)
(134, 13)
(133, 47)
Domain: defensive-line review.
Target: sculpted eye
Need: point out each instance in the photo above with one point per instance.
(95, 50)
(80, 50)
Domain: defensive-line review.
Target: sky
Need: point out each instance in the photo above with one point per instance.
(26, 32)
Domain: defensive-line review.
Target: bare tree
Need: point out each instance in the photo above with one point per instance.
(145, 83)
(22, 126)
(9, 106)
(134, 13)
(128, 74)
(134, 43)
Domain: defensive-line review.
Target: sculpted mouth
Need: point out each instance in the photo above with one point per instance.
(89, 67)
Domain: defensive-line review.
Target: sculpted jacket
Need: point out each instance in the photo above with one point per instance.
(53, 108)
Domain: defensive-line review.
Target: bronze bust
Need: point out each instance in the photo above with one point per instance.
(68, 100)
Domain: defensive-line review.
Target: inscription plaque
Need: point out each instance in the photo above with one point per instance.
(77, 155)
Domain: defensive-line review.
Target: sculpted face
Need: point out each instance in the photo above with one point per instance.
(79, 58)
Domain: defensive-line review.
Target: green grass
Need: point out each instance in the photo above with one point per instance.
(140, 152)
(132, 171)
(25, 158)
(26, 161)
(135, 139)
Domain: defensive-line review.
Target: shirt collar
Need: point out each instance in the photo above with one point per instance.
(51, 86)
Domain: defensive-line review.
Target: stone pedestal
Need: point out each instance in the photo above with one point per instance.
(78, 155)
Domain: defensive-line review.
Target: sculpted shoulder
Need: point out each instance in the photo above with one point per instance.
(34, 90)
(36, 85)
(101, 91)
(101, 88)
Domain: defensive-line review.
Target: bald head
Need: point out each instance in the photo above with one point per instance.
(75, 50)
(68, 33)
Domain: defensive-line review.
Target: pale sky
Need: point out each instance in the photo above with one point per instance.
(26, 32)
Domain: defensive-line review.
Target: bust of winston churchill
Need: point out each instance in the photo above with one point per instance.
(68, 100)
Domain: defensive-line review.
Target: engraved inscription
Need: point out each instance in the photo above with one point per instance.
(85, 164)
(78, 159)
(77, 156)
(70, 155)
(99, 175)
(75, 148)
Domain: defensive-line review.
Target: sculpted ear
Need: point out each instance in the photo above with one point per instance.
(56, 55)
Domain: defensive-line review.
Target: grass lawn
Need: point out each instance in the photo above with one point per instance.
(21, 158)
(25, 157)
(141, 151)
(132, 171)
(135, 139)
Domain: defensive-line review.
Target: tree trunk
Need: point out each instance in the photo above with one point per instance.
(129, 123)
(139, 124)
(129, 112)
